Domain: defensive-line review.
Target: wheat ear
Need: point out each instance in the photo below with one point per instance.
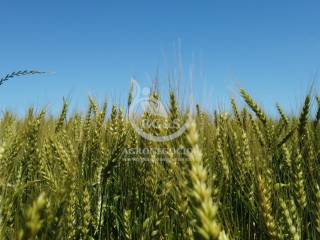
(200, 195)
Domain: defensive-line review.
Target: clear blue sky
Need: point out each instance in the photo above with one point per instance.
(271, 48)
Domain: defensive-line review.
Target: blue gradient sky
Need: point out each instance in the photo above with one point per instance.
(271, 48)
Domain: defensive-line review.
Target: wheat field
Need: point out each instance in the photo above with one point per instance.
(244, 175)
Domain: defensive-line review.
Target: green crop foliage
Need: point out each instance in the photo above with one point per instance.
(244, 175)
